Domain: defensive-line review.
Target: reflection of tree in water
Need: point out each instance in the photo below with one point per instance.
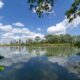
(36, 50)
(60, 51)
(49, 51)
(42, 69)
(16, 48)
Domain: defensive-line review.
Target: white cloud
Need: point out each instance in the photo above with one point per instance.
(8, 32)
(58, 29)
(75, 22)
(1, 4)
(20, 31)
(5, 27)
(62, 27)
(19, 24)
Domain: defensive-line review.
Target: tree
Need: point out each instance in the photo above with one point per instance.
(41, 6)
(19, 42)
(68, 38)
(37, 39)
(74, 11)
(45, 6)
(29, 41)
(51, 38)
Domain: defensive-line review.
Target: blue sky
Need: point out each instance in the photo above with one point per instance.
(16, 16)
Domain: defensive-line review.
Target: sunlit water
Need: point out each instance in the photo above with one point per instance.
(39, 63)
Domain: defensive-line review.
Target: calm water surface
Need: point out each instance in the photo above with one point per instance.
(39, 63)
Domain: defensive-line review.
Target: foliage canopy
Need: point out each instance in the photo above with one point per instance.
(74, 11)
(41, 6)
(45, 6)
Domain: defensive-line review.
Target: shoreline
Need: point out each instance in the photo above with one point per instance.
(44, 45)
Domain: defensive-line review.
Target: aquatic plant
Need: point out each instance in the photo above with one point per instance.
(2, 68)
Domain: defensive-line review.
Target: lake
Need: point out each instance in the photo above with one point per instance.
(40, 63)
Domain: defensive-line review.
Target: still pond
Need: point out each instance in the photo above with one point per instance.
(40, 63)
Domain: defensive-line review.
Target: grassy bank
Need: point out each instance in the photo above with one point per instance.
(38, 44)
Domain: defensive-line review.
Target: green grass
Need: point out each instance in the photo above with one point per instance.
(38, 44)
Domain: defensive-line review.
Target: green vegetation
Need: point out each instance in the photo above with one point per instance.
(48, 40)
(74, 11)
(2, 68)
(61, 51)
(77, 44)
(47, 6)
(41, 6)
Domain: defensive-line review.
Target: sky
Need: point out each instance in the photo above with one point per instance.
(17, 21)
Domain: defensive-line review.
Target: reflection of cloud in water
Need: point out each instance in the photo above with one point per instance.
(18, 55)
(18, 66)
(73, 64)
(40, 68)
(59, 60)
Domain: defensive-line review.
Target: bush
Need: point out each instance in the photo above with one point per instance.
(77, 44)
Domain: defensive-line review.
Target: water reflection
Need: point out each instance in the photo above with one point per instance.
(31, 63)
(34, 51)
(16, 54)
(19, 54)
(38, 68)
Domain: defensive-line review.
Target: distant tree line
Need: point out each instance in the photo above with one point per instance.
(50, 39)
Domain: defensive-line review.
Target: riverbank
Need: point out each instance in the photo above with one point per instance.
(38, 44)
